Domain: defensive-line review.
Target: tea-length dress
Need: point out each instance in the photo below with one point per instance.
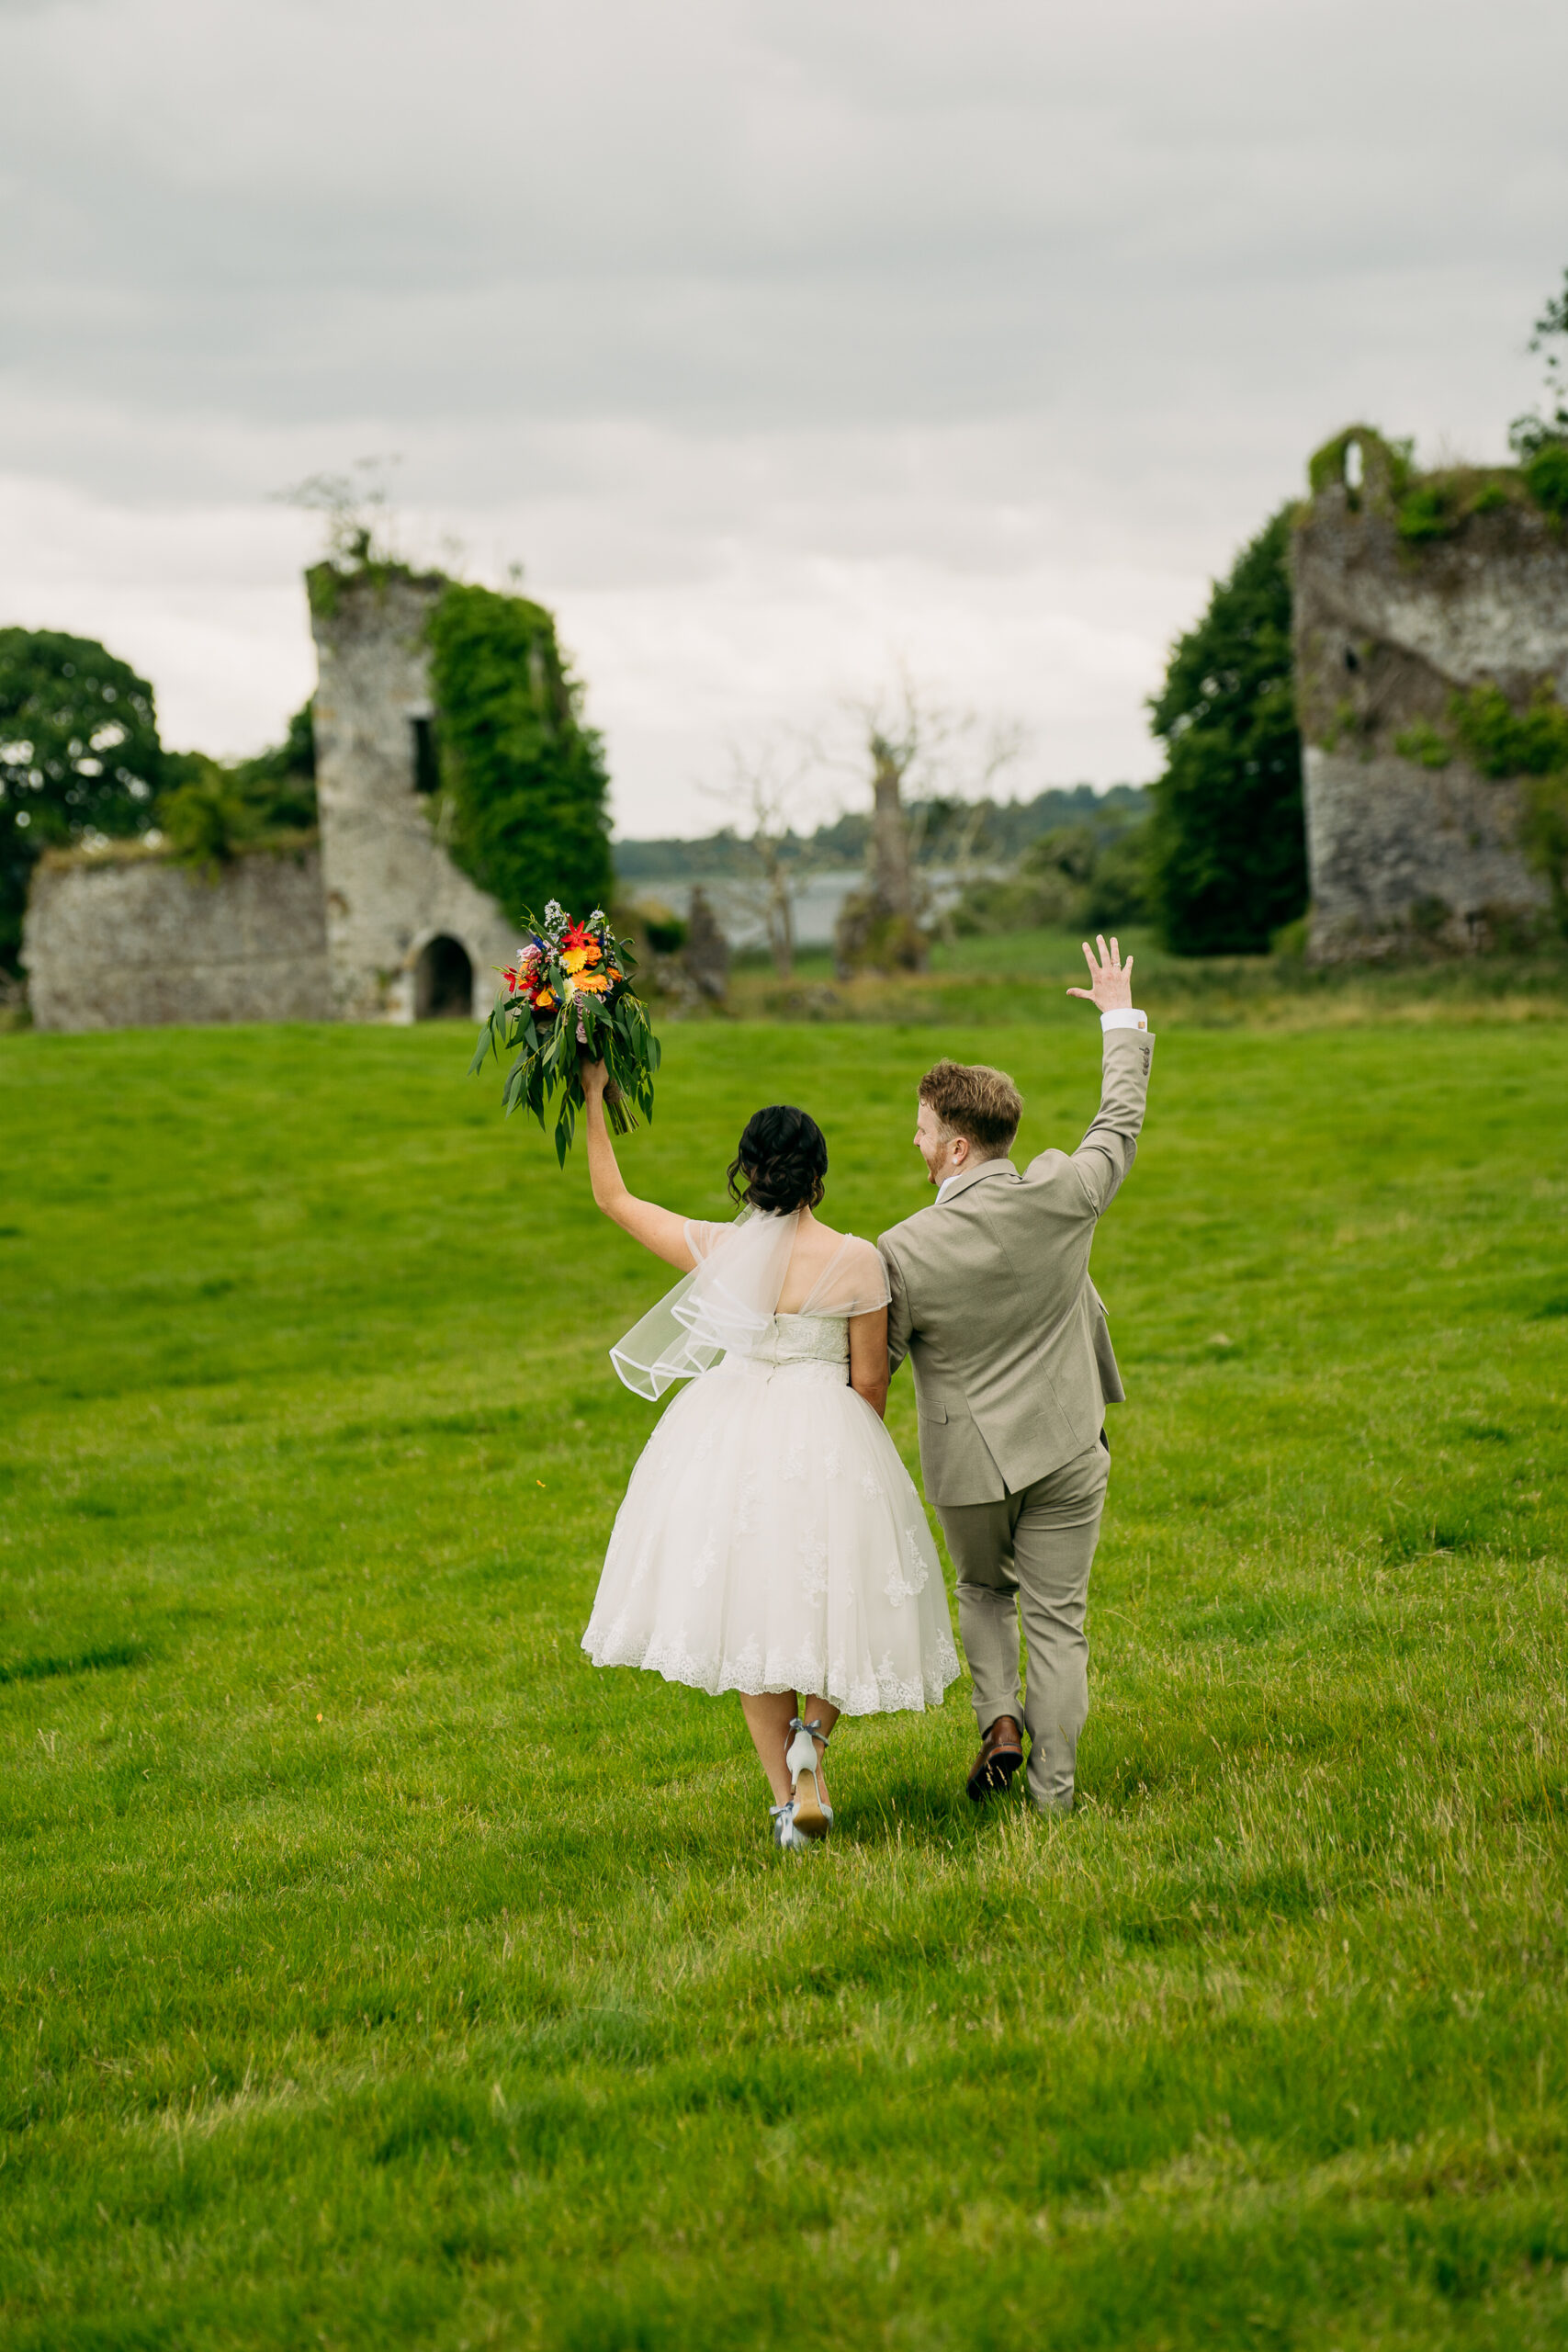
(770, 1538)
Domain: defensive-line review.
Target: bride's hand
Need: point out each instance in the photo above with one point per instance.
(595, 1078)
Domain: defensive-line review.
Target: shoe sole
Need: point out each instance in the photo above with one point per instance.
(810, 1817)
(997, 1776)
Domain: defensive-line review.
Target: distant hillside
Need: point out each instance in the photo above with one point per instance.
(939, 827)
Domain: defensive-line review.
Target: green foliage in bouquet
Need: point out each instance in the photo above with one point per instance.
(568, 999)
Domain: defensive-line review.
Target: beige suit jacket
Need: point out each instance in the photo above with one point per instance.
(1006, 1334)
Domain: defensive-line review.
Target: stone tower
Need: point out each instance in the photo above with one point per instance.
(409, 936)
(1406, 839)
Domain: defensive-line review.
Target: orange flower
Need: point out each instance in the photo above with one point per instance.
(592, 984)
(544, 1002)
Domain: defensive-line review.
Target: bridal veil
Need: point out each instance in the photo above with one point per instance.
(729, 1299)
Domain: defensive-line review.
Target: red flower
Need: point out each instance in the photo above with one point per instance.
(577, 934)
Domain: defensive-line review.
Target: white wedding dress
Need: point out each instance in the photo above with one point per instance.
(770, 1538)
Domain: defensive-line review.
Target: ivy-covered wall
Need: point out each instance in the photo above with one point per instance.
(522, 780)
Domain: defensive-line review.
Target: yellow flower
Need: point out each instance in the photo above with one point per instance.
(578, 960)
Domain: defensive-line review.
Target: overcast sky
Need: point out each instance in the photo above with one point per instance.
(780, 344)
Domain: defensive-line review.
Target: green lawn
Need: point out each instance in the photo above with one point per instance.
(1022, 977)
(375, 1973)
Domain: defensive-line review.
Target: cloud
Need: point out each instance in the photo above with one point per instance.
(773, 340)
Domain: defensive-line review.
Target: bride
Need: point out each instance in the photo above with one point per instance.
(771, 1541)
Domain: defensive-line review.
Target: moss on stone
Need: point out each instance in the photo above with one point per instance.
(328, 582)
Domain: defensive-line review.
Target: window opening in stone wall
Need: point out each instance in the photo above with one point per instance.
(443, 982)
(426, 772)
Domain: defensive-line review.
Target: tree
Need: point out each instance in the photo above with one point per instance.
(281, 782)
(1541, 443)
(1533, 433)
(524, 786)
(879, 927)
(210, 811)
(1227, 851)
(767, 787)
(79, 756)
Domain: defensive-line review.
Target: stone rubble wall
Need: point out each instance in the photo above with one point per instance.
(390, 887)
(1386, 632)
(119, 942)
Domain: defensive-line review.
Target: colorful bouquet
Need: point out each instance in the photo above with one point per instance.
(568, 999)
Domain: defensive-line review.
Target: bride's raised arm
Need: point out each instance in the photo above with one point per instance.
(658, 1229)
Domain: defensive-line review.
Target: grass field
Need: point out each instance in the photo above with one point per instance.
(375, 1974)
(1020, 977)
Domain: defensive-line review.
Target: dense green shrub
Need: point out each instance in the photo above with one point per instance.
(523, 786)
(1091, 872)
(1547, 475)
(281, 783)
(1118, 884)
(1226, 853)
(79, 756)
(211, 810)
(206, 819)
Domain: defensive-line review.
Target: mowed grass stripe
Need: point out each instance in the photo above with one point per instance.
(377, 1973)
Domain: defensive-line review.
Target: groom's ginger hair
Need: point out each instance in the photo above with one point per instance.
(975, 1101)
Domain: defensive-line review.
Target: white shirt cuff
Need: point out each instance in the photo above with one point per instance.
(1124, 1017)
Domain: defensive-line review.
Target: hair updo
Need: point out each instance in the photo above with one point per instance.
(782, 1160)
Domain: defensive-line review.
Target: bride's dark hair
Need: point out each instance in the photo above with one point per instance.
(783, 1160)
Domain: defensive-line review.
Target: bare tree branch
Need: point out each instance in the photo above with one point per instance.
(768, 791)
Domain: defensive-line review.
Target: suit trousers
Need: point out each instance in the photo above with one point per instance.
(1032, 1549)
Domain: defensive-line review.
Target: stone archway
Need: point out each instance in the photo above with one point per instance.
(443, 981)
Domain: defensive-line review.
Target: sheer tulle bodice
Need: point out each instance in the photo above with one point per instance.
(729, 1301)
(770, 1538)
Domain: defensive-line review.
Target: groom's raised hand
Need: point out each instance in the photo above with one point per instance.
(1111, 980)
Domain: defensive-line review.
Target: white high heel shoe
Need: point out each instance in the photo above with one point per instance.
(808, 1815)
(785, 1834)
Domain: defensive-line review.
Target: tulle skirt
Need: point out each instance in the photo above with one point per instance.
(771, 1539)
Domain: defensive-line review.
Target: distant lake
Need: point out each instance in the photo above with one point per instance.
(739, 905)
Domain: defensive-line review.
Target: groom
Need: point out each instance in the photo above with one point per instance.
(1007, 1337)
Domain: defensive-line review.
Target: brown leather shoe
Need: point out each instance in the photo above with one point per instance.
(1000, 1755)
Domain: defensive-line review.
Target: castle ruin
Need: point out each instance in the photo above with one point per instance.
(1410, 592)
(369, 922)
(409, 936)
